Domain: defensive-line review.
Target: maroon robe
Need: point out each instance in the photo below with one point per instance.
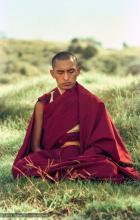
(102, 155)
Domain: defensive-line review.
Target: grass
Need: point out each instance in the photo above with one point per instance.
(69, 199)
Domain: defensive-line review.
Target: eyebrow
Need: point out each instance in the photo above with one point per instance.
(64, 70)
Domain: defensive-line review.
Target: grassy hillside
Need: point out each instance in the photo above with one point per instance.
(29, 58)
(73, 199)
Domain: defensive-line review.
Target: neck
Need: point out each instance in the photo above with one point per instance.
(63, 90)
(60, 90)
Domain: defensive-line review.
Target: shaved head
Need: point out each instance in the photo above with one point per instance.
(64, 55)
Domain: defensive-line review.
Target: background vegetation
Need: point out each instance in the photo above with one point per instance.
(114, 75)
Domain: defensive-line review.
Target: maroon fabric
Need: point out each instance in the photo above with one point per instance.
(74, 136)
(102, 154)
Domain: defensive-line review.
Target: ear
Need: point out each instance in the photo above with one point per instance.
(52, 73)
(78, 71)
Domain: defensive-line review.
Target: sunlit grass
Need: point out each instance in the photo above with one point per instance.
(97, 82)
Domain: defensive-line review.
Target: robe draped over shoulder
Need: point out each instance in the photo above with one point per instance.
(101, 154)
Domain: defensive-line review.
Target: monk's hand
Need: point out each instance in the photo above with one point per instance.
(37, 149)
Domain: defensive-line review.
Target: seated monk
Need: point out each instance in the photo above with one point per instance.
(71, 134)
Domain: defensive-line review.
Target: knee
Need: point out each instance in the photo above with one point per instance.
(18, 168)
(110, 169)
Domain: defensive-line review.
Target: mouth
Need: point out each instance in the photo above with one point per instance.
(67, 84)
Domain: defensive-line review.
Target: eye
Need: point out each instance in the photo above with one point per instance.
(71, 71)
(60, 72)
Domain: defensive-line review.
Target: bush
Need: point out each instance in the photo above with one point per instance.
(134, 69)
(83, 65)
(75, 48)
(26, 68)
(106, 64)
(84, 47)
(89, 52)
(110, 65)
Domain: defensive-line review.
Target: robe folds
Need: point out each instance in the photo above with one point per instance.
(102, 154)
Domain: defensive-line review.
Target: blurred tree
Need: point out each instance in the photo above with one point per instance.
(89, 52)
(75, 48)
(74, 40)
(134, 69)
(85, 47)
(125, 45)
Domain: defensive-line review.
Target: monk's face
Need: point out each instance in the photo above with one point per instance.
(65, 73)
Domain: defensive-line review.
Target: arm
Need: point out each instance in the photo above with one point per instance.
(37, 129)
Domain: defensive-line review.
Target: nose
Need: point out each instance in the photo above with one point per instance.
(66, 77)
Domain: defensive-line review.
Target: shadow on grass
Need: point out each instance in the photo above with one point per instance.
(13, 112)
(106, 214)
(11, 148)
(4, 179)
